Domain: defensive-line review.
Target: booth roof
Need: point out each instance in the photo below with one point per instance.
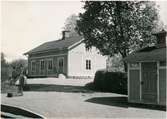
(153, 53)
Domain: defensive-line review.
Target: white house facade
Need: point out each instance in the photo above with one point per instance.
(67, 56)
(82, 62)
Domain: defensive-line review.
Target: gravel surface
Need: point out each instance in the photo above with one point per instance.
(54, 103)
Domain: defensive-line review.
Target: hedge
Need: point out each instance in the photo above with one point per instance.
(4, 74)
(115, 82)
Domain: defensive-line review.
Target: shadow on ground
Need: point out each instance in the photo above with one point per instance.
(123, 102)
(57, 88)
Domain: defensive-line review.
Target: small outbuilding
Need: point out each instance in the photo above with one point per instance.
(147, 73)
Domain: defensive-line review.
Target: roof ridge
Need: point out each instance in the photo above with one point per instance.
(53, 41)
(62, 39)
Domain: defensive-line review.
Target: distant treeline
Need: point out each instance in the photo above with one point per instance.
(6, 67)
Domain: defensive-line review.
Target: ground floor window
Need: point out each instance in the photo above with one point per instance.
(61, 64)
(33, 66)
(162, 63)
(88, 64)
(42, 64)
(50, 64)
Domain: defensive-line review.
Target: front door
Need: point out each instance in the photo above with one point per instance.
(149, 82)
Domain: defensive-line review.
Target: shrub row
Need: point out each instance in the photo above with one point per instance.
(115, 82)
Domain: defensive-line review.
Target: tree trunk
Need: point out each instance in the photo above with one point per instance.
(125, 64)
(125, 67)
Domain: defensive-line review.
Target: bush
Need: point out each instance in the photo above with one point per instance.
(115, 82)
(4, 68)
(4, 74)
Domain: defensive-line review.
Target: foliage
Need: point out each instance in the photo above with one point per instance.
(17, 64)
(115, 63)
(115, 82)
(118, 27)
(3, 60)
(6, 71)
(4, 68)
(70, 24)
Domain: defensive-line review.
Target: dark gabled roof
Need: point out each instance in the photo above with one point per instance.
(153, 53)
(56, 45)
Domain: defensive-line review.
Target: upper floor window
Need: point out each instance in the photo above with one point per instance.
(42, 65)
(88, 64)
(50, 64)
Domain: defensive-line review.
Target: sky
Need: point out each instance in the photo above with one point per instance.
(27, 24)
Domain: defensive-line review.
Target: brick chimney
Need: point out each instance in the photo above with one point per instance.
(65, 34)
(161, 38)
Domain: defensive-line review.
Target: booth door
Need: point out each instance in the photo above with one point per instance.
(149, 82)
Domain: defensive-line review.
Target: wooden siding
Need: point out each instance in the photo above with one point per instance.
(74, 62)
(77, 61)
(162, 86)
(134, 85)
(46, 72)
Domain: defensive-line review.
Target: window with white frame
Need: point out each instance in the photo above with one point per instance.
(42, 64)
(33, 66)
(162, 64)
(88, 64)
(50, 64)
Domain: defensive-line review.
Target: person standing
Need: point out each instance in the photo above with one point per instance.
(14, 75)
(21, 82)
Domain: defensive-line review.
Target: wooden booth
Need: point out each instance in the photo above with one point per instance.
(147, 73)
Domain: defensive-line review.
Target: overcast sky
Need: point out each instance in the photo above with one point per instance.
(26, 25)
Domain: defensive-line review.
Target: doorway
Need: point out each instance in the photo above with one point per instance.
(149, 82)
